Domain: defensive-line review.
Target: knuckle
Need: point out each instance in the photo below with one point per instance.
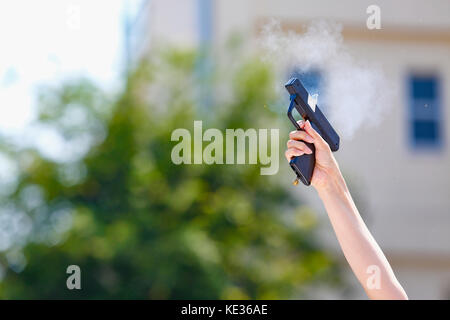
(300, 145)
(294, 134)
(289, 143)
(298, 135)
(292, 143)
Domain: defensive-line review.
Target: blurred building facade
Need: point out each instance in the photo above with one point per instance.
(399, 171)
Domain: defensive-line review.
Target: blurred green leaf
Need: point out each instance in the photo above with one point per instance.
(142, 227)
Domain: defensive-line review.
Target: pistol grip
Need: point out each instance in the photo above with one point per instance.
(303, 165)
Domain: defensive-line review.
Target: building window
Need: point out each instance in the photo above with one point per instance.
(425, 121)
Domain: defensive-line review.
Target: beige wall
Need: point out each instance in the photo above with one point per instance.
(406, 190)
(404, 194)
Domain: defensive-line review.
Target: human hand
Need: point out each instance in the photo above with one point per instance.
(326, 168)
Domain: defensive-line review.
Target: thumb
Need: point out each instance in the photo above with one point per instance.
(319, 142)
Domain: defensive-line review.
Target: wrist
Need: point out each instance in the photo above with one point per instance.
(333, 183)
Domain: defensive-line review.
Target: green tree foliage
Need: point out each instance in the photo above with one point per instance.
(138, 225)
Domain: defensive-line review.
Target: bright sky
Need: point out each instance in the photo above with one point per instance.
(45, 41)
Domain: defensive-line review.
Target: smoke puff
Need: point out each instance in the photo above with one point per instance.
(356, 92)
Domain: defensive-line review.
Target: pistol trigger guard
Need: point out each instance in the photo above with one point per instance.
(289, 113)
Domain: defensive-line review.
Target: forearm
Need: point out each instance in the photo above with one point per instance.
(359, 247)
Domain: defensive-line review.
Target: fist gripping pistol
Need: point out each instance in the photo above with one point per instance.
(303, 165)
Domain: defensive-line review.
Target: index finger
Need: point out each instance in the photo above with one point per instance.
(301, 135)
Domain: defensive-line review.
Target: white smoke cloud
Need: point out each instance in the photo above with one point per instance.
(357, 91)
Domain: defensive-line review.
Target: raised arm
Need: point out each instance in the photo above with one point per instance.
(360, 249)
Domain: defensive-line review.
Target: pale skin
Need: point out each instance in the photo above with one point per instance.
(358, 245)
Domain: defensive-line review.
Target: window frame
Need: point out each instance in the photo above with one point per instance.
(414, 143)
